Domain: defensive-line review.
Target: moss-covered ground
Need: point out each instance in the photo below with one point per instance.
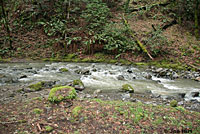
(95, 116)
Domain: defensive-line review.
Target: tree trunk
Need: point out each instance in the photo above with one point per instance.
(6, 24)
(196, 31)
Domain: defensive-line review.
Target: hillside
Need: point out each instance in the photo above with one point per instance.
(52, 30)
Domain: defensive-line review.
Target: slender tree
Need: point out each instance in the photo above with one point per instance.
(6, 23)
(196, 14)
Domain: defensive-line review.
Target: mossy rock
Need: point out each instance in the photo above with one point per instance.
(173, 103)
(63, 70)
(76, 111)
(78, 85)
(36, 87)
(78, 82)
(127, 88)
(59, 94)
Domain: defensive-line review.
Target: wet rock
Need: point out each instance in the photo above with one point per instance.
(133, 100)
(8, 79)
(155, 96)
(78, 85)
(181, 95)
(130, 71)
(86, 72)
(22, 76)
(78, 71)
(49, 84)
(181, 103)
(148, 76)
(94, 69)
(134, 76)
(194, 94)
(120, 77)
(126, 96)
(175, 76)
(32, 71)
(158, 70)
(197, 79)
(97, 91)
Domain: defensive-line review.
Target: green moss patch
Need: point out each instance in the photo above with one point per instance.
(59, 94)
(173, 103)
(127, 88)
(78, 82)
(76, 111)
(37, 111)
(36, 87)
(63, 70)
(48, 128)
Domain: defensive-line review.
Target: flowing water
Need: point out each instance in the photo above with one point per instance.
(106, 77)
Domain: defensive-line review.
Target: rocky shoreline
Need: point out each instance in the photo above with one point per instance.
(22, 92)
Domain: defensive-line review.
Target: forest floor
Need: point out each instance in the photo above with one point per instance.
(95, 117)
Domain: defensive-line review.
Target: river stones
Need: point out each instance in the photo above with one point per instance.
(147, 76)
(194, 94)
(8, 79)
(197, 79)
(181, 95)
(83, 72)
(127, 88)
(120, 77)
(23, 76)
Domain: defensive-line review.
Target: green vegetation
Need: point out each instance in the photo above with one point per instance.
(37, 111)
(127, 88)
(96, 114)
(173, 103)
(76, 111)
(78, 82)
(48, 128)
(59, 94)
(63, 70)
(36, 87)
(69, 30)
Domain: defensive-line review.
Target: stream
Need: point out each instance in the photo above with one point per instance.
(102, 78)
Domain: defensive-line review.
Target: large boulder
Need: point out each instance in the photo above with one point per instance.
(59, 94)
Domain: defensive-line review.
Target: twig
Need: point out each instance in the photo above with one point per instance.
(38, 125)
(19, 121)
